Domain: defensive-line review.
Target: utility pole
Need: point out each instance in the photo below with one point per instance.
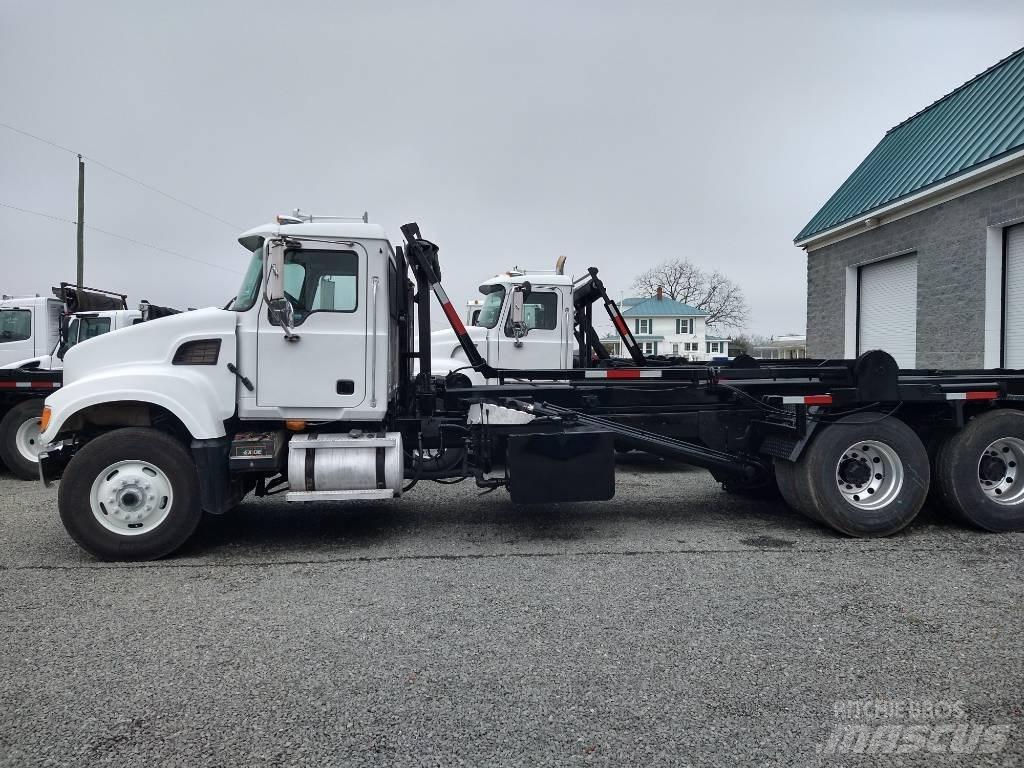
(81, 224)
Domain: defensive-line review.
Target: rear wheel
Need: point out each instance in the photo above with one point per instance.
(980, 471)
(786, 477)
(130, 494)
(19, 439)
(864, 475)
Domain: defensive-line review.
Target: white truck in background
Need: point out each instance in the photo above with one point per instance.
(29, 327)
(545, 339)
(35, 334)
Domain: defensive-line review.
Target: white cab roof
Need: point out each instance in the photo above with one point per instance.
(342, 230)
(540, 278)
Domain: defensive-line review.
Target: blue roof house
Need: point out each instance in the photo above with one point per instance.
(663, 326)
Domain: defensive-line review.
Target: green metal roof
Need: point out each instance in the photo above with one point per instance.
(975, 124)
(665, 307)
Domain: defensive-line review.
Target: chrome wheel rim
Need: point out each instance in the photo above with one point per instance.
(998, 468)
(131, 497)
(27, 439)
(869, 475)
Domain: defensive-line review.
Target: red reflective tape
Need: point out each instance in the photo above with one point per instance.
(454, 319)
(45, 384)
(8, 384)
(818, 400)
(620, 325)
(981, 395)
(623, 374)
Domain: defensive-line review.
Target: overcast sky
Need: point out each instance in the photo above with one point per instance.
(618, 134)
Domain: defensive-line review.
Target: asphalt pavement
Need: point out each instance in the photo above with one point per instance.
(674, 625)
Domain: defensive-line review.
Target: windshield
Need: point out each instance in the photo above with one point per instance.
(491, 310)
(250, 288)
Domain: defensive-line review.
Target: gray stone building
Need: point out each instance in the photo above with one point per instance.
(921, 251)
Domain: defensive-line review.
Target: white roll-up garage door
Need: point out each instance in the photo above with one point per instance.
(1013, 337)
(887, 309)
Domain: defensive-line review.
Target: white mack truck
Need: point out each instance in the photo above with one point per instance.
(312, 384)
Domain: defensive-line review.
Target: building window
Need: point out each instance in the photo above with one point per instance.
(649, 348)
(675, 349)
(643, 325)
(684, 325)
(714, 347)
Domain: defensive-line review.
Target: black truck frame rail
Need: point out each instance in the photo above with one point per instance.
(18, 383)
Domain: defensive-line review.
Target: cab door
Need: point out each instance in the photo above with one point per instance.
(324, 364)
(544, 346)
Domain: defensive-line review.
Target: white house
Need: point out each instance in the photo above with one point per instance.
(788, 347)
(663, 326)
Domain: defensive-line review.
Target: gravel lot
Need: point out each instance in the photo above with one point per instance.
(674, 625)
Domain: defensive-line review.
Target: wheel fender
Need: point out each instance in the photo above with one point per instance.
(200, 402)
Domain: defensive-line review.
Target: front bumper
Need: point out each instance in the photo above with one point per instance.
(54, 458)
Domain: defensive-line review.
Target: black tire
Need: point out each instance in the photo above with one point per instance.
(13, 420)
(762, 487)
(958, 467)
(817, 473)
(90, 464)
(795, 496)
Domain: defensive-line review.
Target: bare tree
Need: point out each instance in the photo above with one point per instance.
(710, 292)
(747, 343)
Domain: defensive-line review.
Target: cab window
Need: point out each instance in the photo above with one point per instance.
(15, 325)
(91, 327)
(82, 328)
(540, 311)
(321, 281)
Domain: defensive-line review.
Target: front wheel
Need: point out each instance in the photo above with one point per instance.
(19, 439)
(130, 494)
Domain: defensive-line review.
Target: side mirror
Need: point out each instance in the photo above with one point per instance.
(518, 313)
(281, 313)
(274, 271)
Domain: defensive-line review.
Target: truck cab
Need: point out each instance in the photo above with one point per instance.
(80, 326)
(83, 326)
(544, 339)
(29, 327)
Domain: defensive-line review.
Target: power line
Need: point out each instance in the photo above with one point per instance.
(120, 237)
(122, 174)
